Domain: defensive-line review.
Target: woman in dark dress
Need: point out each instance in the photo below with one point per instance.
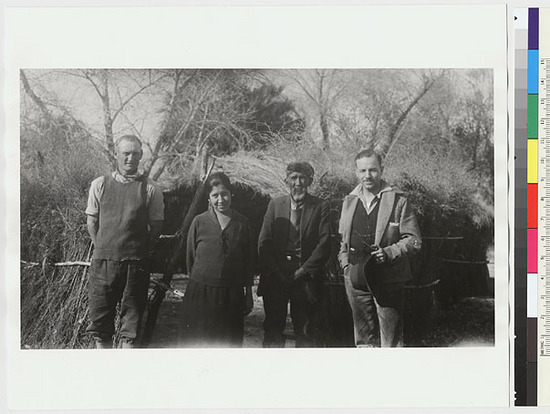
(220, 262)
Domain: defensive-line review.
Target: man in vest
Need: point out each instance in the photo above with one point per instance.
(125, 214)
(293, 247)
(379, 234)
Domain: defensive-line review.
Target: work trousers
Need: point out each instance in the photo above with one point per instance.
(304, 298)
(112, 282)
(377, 321)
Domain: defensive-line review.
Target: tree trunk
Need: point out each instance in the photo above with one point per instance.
(386, 145)
(107, 119)
(159, 170)
(324, 131)
(39, 102)
(477, 139)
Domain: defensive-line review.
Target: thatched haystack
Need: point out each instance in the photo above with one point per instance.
(262, 173)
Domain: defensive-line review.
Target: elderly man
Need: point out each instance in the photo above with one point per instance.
(293, 247)
(125, 215)
(379, 233)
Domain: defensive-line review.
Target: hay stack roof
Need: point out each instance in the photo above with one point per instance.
(264, 174)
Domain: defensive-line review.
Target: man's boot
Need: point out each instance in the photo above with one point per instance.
(126, 344)
(99, 344)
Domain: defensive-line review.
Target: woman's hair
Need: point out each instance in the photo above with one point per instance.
(218, 178)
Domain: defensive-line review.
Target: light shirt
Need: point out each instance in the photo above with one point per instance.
(370, 200)
(154, 201)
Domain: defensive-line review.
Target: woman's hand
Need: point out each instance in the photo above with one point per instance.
(249, 301)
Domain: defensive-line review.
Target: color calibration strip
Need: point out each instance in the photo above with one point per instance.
(527, 201)
(520, 212)
(532, 247)
(532, 201)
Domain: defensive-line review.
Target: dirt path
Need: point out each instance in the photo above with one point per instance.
(469, 322)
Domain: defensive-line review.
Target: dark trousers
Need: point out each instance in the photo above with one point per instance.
(304, 298)
(112, 282)
(377, 321)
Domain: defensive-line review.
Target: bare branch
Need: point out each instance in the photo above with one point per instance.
(39, 102)
(386, 145)
(132, 96)
(87, 76)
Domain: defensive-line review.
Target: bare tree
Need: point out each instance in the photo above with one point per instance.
(322, 88)
(427, 80)
(208, 113)
(105, 87)
(187, 112)
(35, 98)
(374, 112)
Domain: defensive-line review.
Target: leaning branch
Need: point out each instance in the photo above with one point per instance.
(35, 98)
(132, 96)
(392, 136)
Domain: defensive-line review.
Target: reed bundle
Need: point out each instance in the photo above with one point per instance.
(54, 306)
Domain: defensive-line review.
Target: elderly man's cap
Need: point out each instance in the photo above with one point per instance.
(300, 167)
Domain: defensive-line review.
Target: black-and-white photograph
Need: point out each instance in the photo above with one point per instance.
(256, 208)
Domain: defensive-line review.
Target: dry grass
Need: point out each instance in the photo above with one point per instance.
(54, 306)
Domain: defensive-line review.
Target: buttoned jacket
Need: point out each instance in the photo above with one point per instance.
(314, 235)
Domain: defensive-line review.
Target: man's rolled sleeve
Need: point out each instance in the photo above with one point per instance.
(155, 208)
(96, 190)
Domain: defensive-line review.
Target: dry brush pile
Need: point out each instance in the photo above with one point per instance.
(54, 186)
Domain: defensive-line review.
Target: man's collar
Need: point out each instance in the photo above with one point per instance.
(358, 190)
(294, 205)
(125, 178)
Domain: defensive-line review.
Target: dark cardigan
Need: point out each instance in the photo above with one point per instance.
(221, 258)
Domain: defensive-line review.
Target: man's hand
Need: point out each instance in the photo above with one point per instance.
(92, 223)
(249, 301)
(300, 274)
(155, 230)
(380, 256)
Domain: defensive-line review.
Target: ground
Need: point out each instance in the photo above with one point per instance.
(469, 322)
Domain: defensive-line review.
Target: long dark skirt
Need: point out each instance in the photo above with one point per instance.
(212, 316)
